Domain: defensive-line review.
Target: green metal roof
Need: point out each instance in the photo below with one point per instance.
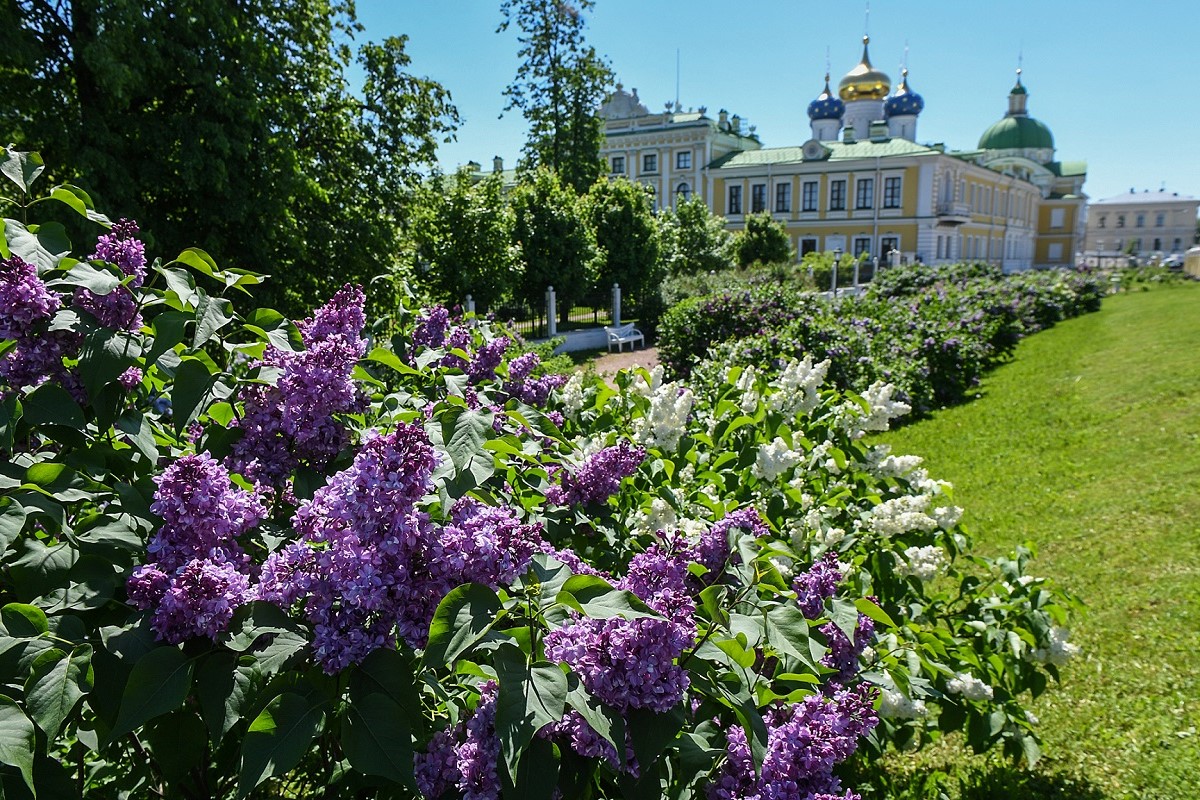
(1017, 133)
(840, 151)
(1067, 169)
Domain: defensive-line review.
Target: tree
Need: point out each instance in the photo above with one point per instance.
(463, 232)
(764, 241)
(557, 244)
(558, 88)
(228, 126)
(627, 234)
(694, 239)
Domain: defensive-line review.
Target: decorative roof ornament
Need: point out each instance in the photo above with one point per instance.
(864, 82)
(827, 105)
(1017, 130)
(904, 101)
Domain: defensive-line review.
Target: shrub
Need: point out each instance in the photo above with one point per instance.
(242, 549)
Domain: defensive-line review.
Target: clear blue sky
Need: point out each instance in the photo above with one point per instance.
(1117, 82)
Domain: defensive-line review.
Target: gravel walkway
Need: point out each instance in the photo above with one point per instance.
(609, 364)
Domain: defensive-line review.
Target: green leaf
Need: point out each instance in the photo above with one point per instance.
(56, 685)
(18, 739)
(80, 202)
(23, 620)
(873, 611)
(223, 684)
(176, 742)
(139, 433)
(181, 283)
(464, 431)
(652, 732)
(100, 281)
(158, 684)
(198, 260)
(12, 521)
(168, 332)
(461, 620)
(22, 168)
(193, 382)
(277, 739)
(51, 404)
(599, 717)
(787, 631)
(596, 598)
(105, 355)
(44, 246)
(529, 699)
(212, 314)
(110, 537)
(389, 359)
(388, 673)
(845, 616)
(377, 739)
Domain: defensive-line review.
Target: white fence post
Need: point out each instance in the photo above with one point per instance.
(470, 304)
(616, 304)
(551, 312)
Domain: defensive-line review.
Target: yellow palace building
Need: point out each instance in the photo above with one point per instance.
(862, 182)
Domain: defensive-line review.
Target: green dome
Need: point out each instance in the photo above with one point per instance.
(1017, 133)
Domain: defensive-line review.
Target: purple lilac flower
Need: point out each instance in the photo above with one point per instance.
(817, 585)
(843, 654)
(522, 366)
(117, 309)
(804, 743)
(485, 544)
(469, 766)
(626, 663)
(285, 575)
(130, 379)
(713, 550)
(25, 302)
(459, 339)
(202, 511)
(436, 769)
(486, 359)
(586, 742)
(295, 419)
(199, 601)
(660, 577)
(599, 478)
(38, 357)
(431, 327)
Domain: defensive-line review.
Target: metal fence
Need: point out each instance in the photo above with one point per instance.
(529, 321)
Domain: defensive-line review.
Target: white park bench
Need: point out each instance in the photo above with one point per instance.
(622, 334)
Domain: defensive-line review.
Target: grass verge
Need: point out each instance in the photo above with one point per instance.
(1088, 444)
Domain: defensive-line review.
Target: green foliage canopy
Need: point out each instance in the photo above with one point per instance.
(627, 234)
(764, 241)
(694, 239)
(228, 126)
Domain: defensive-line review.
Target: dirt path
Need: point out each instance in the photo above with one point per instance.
(607, 365)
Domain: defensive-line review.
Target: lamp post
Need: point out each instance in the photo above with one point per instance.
(891, 262)
(1099, 253)
(837, 258)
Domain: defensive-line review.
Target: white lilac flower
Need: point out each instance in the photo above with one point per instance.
(922, 563)
(796, 388)
(1058, 650)
(660, 517)
(1033, 720)
(648, 387)
(774, 459)
(687, 474)
(883, 409)
(745, 385)
(666, 421)
(970, 687)
(896, 706)
(947, 516)
(572, 395)
(882, 464)
(901, 515)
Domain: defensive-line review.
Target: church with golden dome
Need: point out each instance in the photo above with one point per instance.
(862, 182)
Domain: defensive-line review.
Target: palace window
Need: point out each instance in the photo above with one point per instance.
(862, 246)
(807, 246)
(683, 191)
(618, 165)
(1158, 244)
(810, 196)
(1054, 251)
(783, 197)
(1057, 217)
(1120, 220)
(864, 193)
(891, 192)
(1101, 222)
(1141, 220)
(1160, 219)
(837, 195)
(735, 200)
(683, 159)
(650, 162)
(886, 245)
(758, 197)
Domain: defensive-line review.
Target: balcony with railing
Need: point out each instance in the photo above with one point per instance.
(953, 213)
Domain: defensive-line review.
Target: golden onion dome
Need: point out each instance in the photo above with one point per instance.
(864, 82)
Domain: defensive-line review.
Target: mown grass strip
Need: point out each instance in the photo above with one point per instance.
(1088, 444)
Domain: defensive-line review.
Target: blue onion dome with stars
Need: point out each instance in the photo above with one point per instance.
(827, 105)
(904, 101)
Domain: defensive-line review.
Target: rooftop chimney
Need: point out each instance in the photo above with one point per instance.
(497, 164)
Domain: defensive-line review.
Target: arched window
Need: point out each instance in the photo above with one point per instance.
(683, 191)
(653, 196)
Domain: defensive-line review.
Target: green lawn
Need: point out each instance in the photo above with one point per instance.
(1088, 444)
